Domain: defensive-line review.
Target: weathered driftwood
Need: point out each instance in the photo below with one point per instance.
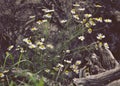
(115, 83)
(109, 63)
(100, 79)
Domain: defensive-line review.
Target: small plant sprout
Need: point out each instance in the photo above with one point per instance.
(82, 38)
(100, 36)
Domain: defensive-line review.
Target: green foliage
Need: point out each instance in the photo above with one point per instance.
(55, 53)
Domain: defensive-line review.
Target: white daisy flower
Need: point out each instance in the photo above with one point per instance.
(107, 20)
(50, 46)
(47, 70)
(97, 5)
(90, 30)
(47, 10)
(78, 62)
(22, 50)
(45, 20)
(88, 15)
(76, 5)
(74, 66)
(106, 45)
(42, 47)
(73, 11)
(82, 38)
(92, 23)
(76, 71)
(68, 61)
(39, 22)
(66, 72)
(67, 51)
(100, 36)
(31, 46)
(63, 21)
(10, 47)
(31, 17)
(34, 29)
(60, 65)
(2, 75)
(81, 9)
(47, 15)
(28, 41)
(56, 68)
(76, 17)
(98, 19)
(42, 39)
(38, 43)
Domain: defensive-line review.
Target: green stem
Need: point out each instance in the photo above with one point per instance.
(19, 59)
(5, 62)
